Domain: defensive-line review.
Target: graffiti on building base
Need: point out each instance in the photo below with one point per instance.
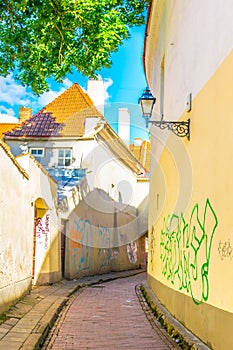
(104, 246)
(43, 232)
(81, 241)
(132, 252)
(185, 249)
(152, 248)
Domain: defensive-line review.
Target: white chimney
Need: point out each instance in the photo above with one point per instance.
(124, 125)
(95, 90)
(138, 141)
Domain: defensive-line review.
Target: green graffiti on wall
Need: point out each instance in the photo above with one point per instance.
(185, 248)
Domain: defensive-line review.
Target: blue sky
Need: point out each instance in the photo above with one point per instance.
(124, 83)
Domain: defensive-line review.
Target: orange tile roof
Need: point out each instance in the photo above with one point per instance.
(135, 150)
(72, 101)
(39, 125)
(145, 155)
(72, 107)
(4, 127)
(64, 116)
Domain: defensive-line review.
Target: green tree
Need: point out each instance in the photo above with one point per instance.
(49, 38)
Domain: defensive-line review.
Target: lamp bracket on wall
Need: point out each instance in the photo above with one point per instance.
(179, 128)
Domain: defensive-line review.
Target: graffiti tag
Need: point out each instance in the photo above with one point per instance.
(152, 248)
(225, 250)
(42, 231)
(81, 241)
(185, 249)
(132, 252)
(104, 246)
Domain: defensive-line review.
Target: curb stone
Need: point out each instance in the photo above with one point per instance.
(187, 339)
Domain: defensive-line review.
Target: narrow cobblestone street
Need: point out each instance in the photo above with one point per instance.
(107, 316)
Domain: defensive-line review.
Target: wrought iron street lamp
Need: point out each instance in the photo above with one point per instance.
(179, 128)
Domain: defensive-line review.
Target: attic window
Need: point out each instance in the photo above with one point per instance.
(64, 157)
(37, 152)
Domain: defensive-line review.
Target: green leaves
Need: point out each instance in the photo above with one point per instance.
(48, 38)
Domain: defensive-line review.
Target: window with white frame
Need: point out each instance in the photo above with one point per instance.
(37, 152)
(64, 157)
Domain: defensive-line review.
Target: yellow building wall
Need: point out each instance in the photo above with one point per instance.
(190, 258)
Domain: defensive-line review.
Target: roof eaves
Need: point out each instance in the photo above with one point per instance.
(38, 165)
(155, 11)
(121, 142)
(145, 35)
(6, 149)
(118, 146)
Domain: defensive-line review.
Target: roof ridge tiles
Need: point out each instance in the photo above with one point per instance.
(66, 92)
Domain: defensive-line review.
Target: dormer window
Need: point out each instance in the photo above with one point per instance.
(37, 152)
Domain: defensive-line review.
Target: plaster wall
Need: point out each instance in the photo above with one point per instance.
(100, 240)
(192, 38)
(106, 171)
(16, 232)
(190, 225)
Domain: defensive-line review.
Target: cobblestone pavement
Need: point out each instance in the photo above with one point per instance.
(108, 316)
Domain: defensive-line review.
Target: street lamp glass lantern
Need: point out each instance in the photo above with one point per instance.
(179, 128)
(147, 101)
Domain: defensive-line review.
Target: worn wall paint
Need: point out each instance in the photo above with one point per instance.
(97, 239)
(132, 252)
(43, 193)
(43, 232)
(225, 249)
(16, 234)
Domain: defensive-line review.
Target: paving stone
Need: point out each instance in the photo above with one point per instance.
(16, 337)
(105, 316)
(108, 316)
(10, 345)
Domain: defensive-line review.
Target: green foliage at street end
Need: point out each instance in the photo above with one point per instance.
(49, 38)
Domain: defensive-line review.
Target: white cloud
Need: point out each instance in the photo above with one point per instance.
(49, 96)
(4, 118)
(8, 111)
(7, 116)
(67, 83)
(13, 93)
(107, 83)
